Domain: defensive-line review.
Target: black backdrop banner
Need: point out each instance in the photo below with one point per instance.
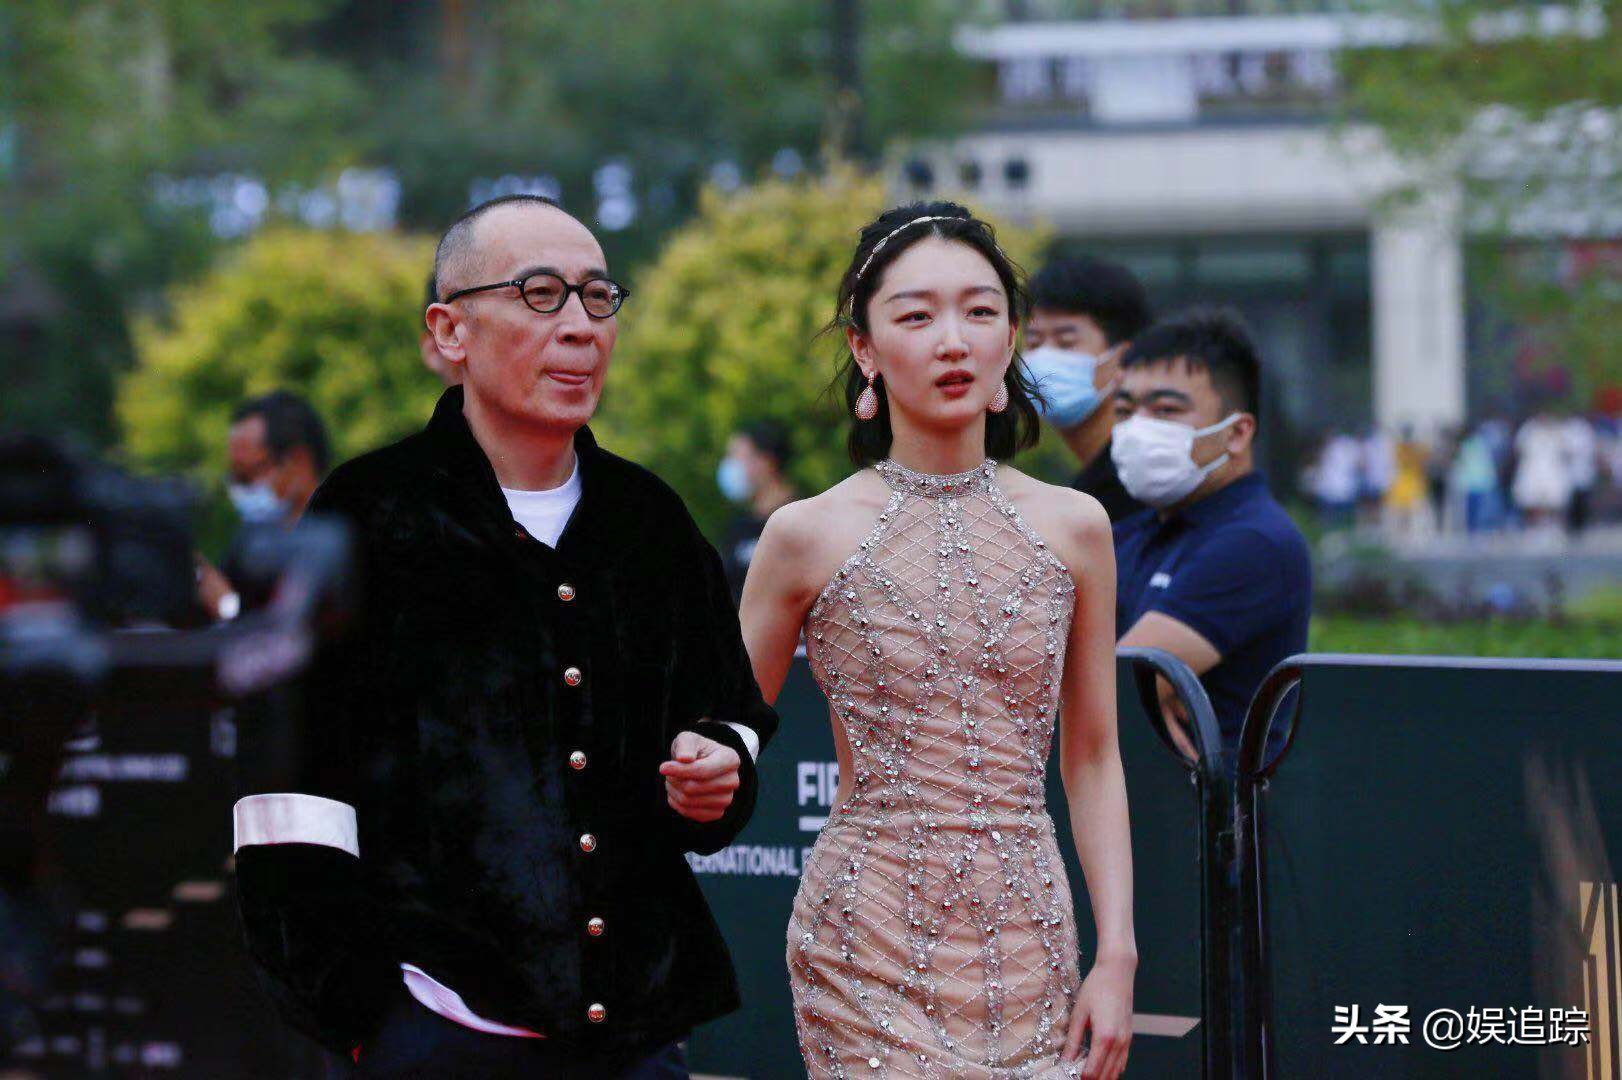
(1442, 837)
(152, 978)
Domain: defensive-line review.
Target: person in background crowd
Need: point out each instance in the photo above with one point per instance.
(296, 453)
(1438, 459)
(1335, 479)
(1582, 464)
(247, 465)
(1543, 476)
(1474, 480)
(1214, 572)
(754, 477)
(1406, 503)
(1084, 312)
(1499, 435)
(277, 455)
(1608, 432)
(1376, 474)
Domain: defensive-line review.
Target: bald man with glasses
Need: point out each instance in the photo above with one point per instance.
(481, 867)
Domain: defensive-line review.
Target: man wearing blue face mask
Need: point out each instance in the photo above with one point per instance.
(1214, 572)
(277, 454)
(1084, 313)
(752, 476)
(284, 438)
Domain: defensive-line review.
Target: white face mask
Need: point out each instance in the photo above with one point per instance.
(256, 503)
(1156, 458)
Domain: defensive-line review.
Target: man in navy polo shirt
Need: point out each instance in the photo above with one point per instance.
(1214, 572)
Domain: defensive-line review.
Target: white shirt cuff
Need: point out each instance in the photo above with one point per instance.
(295, 819)
(750, 739)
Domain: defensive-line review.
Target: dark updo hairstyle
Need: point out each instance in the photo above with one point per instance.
(1014, 429)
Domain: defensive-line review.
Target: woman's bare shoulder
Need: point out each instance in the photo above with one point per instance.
(803, 523)
(814, 536)
(1071, 522)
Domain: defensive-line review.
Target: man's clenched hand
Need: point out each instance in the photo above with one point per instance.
(701, 778)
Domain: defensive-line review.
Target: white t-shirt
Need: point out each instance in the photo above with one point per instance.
(1543, 479)
(543, 514)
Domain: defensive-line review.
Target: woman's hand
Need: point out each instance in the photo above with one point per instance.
(1104, 1009)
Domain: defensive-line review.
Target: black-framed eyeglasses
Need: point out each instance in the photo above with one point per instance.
(546, 293)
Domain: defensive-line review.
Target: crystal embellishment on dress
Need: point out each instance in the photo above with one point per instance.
(933, 932)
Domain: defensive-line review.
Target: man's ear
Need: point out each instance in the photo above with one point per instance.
(446, 328)
(1107, 375)
(1242, 435)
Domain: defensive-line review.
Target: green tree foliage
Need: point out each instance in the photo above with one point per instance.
(670, 91)
(97, 97)
(334, 316)
(1475, 54)
(1515, 110)
(724, 330)
(1566, 305)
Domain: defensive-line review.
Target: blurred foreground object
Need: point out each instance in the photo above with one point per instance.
(96, 576)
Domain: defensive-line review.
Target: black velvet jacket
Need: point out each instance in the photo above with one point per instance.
(497, 702)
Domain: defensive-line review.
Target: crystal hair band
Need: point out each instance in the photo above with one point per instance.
(891, 235)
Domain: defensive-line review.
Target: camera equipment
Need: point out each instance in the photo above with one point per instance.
(108, 673)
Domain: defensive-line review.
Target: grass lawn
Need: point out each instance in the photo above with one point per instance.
(1591, 639)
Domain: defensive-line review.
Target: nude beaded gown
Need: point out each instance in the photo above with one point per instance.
(932, 935)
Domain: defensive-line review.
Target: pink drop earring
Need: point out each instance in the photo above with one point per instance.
(999, 400)
(867, 402)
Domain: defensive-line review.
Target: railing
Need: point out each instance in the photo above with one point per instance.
(1199, 746)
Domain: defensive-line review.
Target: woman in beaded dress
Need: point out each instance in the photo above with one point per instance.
(950, 605)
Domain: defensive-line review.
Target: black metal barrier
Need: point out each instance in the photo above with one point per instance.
(1179, 803)
(1182, 906)
(1430, 861)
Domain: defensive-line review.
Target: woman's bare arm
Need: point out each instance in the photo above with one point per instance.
(777, 593)
(1095, 788)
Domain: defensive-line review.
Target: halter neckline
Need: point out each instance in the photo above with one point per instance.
(936, 485)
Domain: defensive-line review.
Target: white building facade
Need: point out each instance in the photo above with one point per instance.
(1200, 152)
